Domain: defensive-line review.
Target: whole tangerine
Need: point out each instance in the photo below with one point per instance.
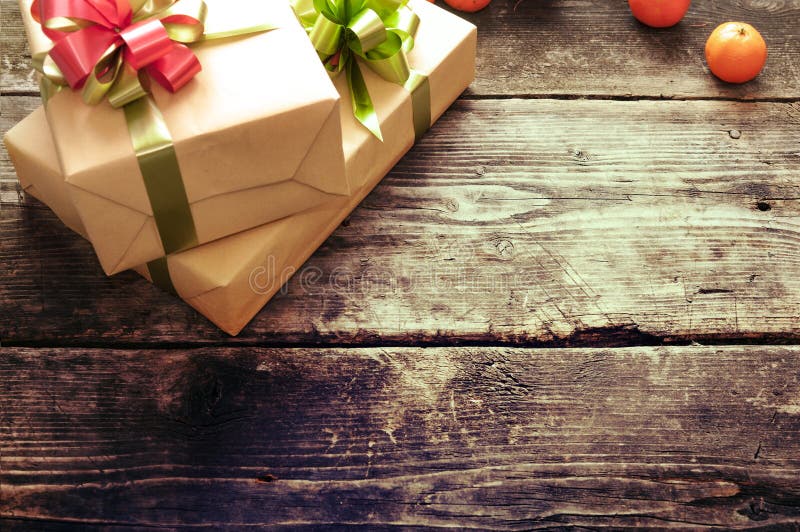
(659, 13)
(736, 52)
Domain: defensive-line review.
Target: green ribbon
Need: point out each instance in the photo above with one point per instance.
(155, 153)
(377, 33)
(159, 275)
(150, 137)
(48, 89)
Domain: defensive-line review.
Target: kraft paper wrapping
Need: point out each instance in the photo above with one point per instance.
(34, 157)
(231, 279)
(256, 135)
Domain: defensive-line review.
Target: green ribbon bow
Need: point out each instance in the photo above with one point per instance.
(378, 33)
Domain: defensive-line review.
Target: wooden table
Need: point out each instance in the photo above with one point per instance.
(575, 302)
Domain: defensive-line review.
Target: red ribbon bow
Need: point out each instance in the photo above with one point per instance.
(96, 28)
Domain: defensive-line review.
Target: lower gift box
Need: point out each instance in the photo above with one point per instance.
(231, 279)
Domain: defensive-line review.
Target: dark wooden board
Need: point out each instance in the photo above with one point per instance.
(483, 438)
(533, 221)
(579, 47)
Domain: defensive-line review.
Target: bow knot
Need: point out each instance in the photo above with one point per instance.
(377, 32)
(102, 46)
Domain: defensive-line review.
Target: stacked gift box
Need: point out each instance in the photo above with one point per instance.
(215, 189)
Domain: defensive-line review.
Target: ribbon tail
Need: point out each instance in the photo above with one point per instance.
(363, 109)
(155, 153)
(419, 87)
(235, 31)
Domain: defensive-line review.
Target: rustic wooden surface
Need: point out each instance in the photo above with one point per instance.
(561, 220)
(486, 438)
(594, 189)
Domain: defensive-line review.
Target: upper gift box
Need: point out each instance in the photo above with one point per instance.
(256, 137)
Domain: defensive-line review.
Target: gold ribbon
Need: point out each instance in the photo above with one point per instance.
(155, 153)
(420, 88)
(159, 275)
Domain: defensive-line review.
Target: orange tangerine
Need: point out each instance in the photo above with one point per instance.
(736, 52)
(659, 13)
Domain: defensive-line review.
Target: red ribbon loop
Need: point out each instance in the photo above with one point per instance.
(176, 69)
(77, 53)
(146, 42)
(100, 26)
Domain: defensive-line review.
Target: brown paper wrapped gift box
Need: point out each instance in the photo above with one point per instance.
(230, 279)
(256, 135)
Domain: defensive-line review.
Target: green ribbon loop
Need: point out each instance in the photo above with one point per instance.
(420, 89)
(367, 31)
(363, 109)
(378, 33)
(325, 35)
(405, 23)
(44, 64)
(389, 61)
(128, 88)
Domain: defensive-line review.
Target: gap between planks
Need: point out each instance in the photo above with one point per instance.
(568, 97)
(584, 340)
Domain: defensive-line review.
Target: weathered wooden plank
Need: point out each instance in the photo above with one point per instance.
(17, 73)
(533, 221)
(12, 111)
(478, 437)
(596, 48)
(579, 47)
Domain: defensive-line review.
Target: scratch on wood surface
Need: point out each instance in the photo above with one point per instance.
(334, 437)
(389, 430)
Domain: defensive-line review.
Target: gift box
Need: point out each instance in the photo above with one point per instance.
(256, 136)
(33, 155)
(231, 279)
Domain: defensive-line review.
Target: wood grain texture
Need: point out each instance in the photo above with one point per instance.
(12, 110)
(506, 439)
(15, 54)
(513, 221)
(579, 47)
(596, 48)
